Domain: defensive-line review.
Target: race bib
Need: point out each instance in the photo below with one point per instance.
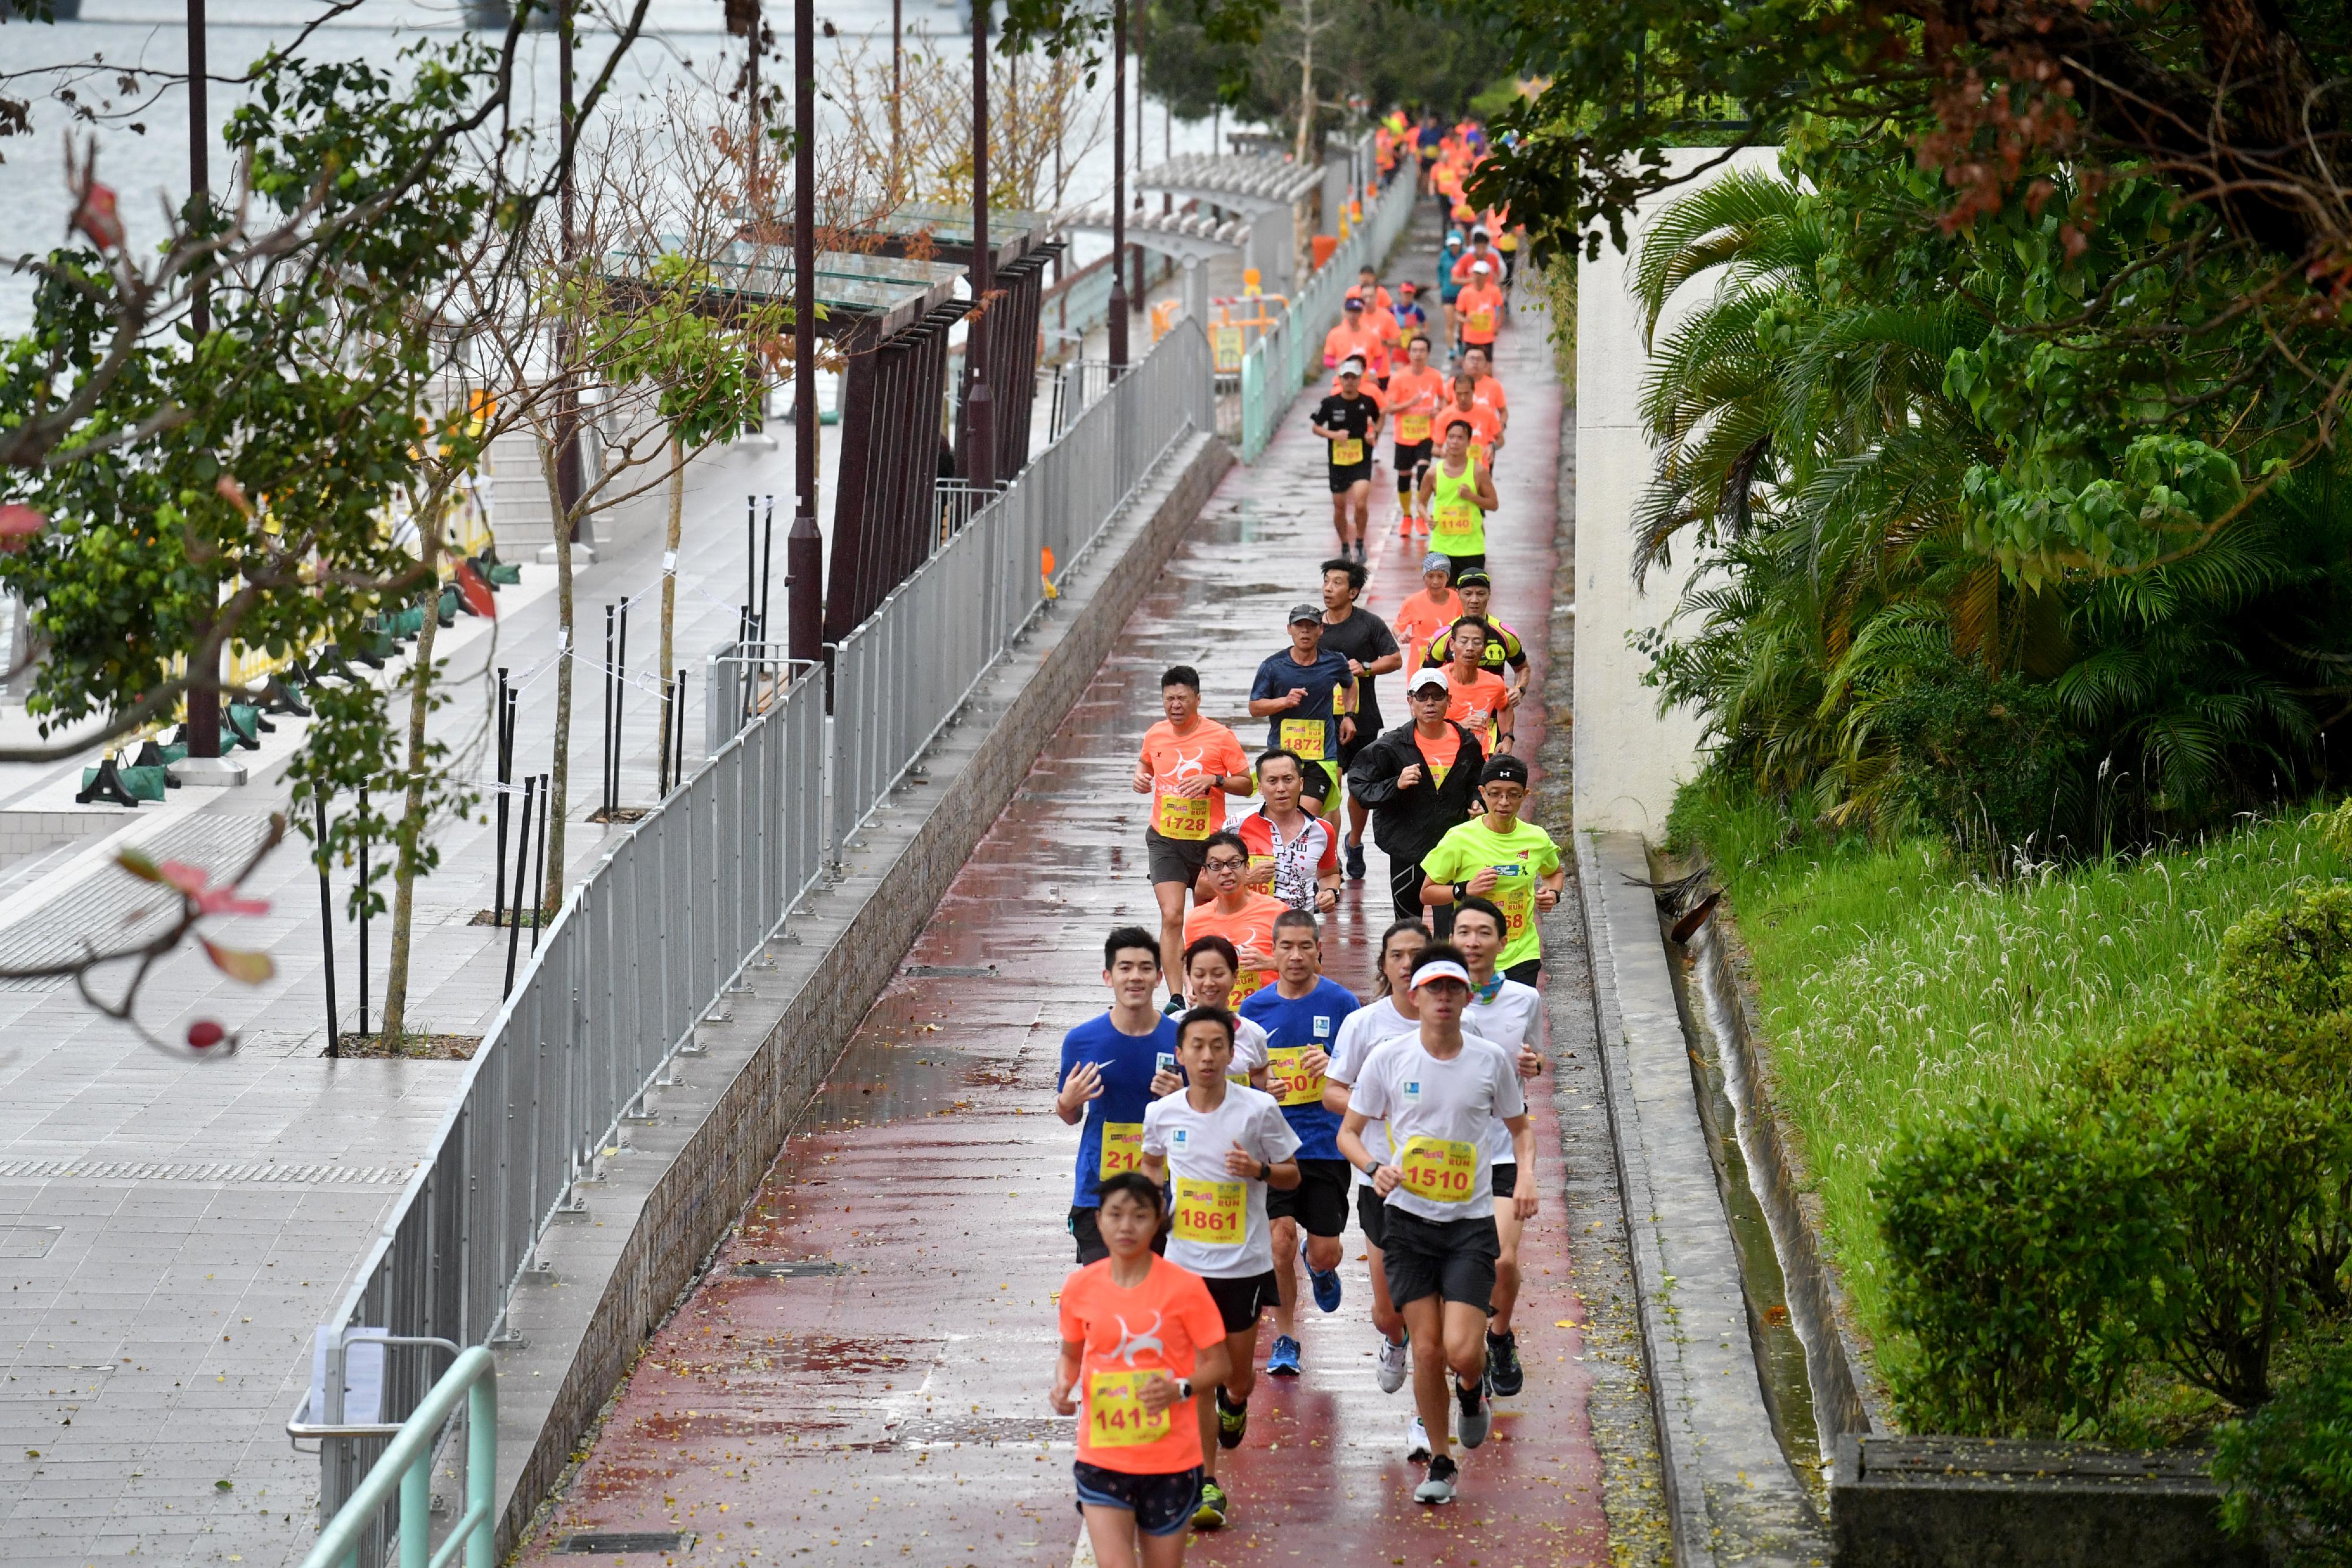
(1115, 1417)
(1249, 983)
(1513, 895)
(1212, 1213)
(1482, 320)
(1413, 428)
(1122, 1147)
(1457, 515)
(1304, 738)
(1181, 817)
(1346, 451)
(1442, 1170)
(1288, 1080)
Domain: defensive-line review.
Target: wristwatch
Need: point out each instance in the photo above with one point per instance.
(1264, 1169)
(1183, 1389)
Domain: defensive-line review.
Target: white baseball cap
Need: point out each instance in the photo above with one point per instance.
(1443, 969)
(1480, 267)
(1427, 675)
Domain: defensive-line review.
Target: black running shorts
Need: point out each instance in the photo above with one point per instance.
(1319, 1201)
(1407, 459)
(1239, 1301)
(1372, 1213)
(1345, 479)
(1162, 1504)
(1454, 1261)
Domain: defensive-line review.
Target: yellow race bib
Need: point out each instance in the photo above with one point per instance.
(1513, 894)
(1122, 1147)
(1249, 983)
(1442, 1170)
(1302, 737)
(1413, 428)
(1181, 817)
(1346, 451)
(1458, 516)
(1115, 1417)
(1288, 1080)
(1482, 320)
(1212, 1213)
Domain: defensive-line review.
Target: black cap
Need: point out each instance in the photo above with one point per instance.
(1474, 577)
(1502, 769)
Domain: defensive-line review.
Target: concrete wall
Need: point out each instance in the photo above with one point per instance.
(1630, 759)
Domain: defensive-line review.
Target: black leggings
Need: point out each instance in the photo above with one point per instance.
(1405, 888)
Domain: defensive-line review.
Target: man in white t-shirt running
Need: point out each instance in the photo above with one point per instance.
(1437, 1091)
(1504, 1011)
(1221, 1145)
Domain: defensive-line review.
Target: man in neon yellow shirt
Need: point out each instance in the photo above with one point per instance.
(1513, 864)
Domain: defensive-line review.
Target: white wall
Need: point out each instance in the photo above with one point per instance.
(1629, 759)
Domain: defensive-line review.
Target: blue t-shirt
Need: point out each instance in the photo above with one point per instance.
(1278, 674)
(1128, 1063)
(1312, 1020)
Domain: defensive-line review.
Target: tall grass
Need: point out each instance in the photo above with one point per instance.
(1894, 981)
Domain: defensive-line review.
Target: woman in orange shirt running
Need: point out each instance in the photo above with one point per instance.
(1478, 698)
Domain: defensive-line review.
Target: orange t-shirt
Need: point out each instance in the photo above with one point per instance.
(1171, 759)
(1343, 341)
(1414, 398)
(1480, 308)
(1254, 923)
(1157, 1328)
(1491, 257)
(1421, 618)
(1489, 393)
(1438, 755)
(1380, 321)
(1477, 702)
(1483, 426)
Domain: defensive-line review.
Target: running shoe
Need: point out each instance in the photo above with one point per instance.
(1394, 1364)
(1505, 1377)
(1475, 1416)
(1439, 1486)
(1282, 1361)
(1211, 1513)
(1326, 1282)
(1232, 1420)
(1416, 1442)
(1355, 863)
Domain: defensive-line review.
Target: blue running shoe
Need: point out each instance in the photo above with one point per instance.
(1282, 1361)
(1326, 1281)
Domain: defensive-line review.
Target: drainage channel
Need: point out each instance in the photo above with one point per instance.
(1743, 1146)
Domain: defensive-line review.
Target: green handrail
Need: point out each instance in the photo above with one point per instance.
(407, 1465)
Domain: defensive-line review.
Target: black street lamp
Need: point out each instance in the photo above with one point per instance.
(1118, 187)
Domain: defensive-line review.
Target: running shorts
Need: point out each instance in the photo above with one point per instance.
(1086, 1229)
(1319, 1201)
(1525, 971)
(1345, 479)
(1405, 878)
(1507, 1180)
(1240, 1300)
(1454, 1261)
(1463, 563)
(1330, 790)
(1174, 860)
(1162, 1504)
(1371, 1213)
(1365, 735)
(1409, 458)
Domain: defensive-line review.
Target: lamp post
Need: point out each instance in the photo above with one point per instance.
(979, 405)
(1118, 187)
(803, 547)
(203, 730)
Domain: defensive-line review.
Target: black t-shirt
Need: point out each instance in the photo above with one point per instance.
(1353, 414)
(1365, 638)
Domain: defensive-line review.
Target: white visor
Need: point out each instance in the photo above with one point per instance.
(1443, 969)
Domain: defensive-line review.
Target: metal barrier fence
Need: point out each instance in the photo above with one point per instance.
(900, 677)
(1281, 360)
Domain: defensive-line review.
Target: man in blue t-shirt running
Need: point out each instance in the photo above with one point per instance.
(1301, 1013)
(1112, 1067)
(1307, 695)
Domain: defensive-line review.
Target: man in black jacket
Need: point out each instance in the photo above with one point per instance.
(1420, 779)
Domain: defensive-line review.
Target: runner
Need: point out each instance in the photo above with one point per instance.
(1367, 284)
(1188, 765)
(1457, 493)
(1506, 1012)
(1355, 338)
(1421, 780)
(1221, 1145)
(1476, 697)
(1351, 422)
(1478, 308)
(1140, 1454)
(1420, 619)
(1380, 324)
(1486, 392)
(1112, 1067)
(1500, 858)
(1438, 1091)
(1482, 248)
(1211, 967)
(1390, 1013)
(1237, 912)
(1449, 287)
(1292, 855)
(1410, 319)
(1486, 430)
(1413, 395)
(1301, 1013)
(1302, 693)
(1425, 142)
(1364, 640)
(1505, 656)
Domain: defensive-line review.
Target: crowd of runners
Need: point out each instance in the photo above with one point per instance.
(1239, 1107)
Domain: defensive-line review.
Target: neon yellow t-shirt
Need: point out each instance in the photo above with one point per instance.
(1520, 858)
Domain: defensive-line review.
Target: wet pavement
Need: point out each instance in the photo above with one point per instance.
(861, 1377)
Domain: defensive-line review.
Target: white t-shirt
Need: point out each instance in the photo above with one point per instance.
(1367, 1026)
(1437, 1115)
(1509, 1020)
(1212, 1204)
(1249, 1050)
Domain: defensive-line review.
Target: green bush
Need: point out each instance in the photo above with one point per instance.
(2287, 1470)
(2296, 956)
(2025, 1260)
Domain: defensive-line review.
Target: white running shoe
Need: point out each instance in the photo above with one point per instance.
(1416, 1442)
(1395, 1362)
